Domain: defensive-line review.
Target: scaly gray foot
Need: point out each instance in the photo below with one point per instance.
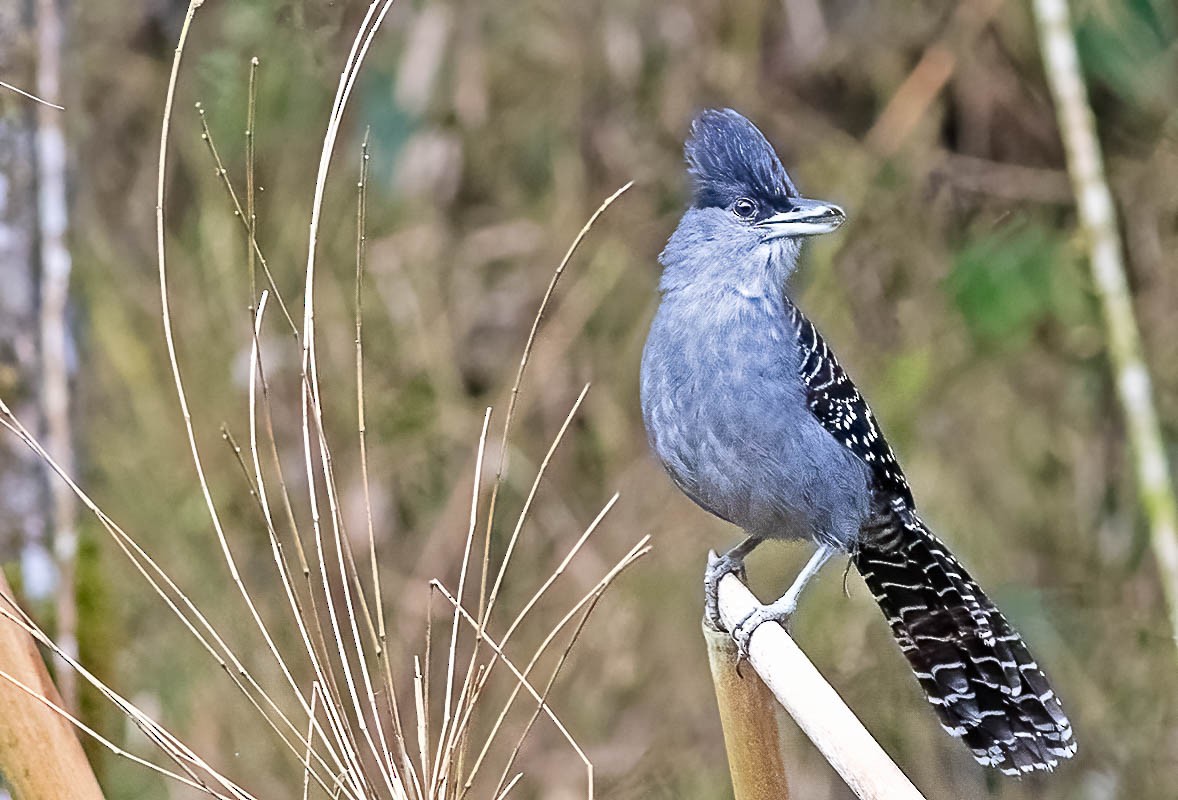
(718, 567)
(779, 611)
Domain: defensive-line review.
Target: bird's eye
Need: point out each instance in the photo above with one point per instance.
(744, 208)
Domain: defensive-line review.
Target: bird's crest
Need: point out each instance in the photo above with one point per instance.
(728, 157)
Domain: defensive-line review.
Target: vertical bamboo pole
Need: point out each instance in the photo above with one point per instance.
(752, 725)
(784, 675)
(40, 755)
(1098, 217)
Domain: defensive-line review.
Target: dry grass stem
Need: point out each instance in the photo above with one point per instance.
(513, 396)
(248, 217)
(347, 740)
(30, 95)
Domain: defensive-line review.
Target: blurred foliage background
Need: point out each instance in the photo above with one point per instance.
(957, 295)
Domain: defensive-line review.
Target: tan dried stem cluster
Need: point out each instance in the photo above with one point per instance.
(337, 711)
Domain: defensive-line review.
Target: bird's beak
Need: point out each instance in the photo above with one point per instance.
(806, 218)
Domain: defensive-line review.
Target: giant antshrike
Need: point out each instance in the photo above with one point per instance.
(755, 420)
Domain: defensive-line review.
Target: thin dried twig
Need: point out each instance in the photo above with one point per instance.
(640, 549)
(107, 743)
(523, 515)
(169, 744)
(251, 216)
(311, 406)
(29, 95)
(560, 662)
(177, 602)
(39, 752)
(449, 743)
(182, 396)
(519, 378)
(248, 217)
(341, 746)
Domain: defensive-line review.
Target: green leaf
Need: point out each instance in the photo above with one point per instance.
(1002, 283)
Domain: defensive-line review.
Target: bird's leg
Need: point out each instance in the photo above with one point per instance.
(781, 610)
(718, 567)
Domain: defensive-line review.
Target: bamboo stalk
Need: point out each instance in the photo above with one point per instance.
(751, 720)
(40, 756)
(758, 772)
(1097, 215)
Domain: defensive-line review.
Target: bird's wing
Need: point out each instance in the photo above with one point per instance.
(836, 403)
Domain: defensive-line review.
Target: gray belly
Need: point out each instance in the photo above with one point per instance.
(726, 416)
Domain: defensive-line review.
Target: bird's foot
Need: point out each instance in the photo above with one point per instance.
(718, 567)
(779, 611)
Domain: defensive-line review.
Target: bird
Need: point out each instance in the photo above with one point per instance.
(755, 420)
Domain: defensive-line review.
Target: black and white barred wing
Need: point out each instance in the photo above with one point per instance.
(973, 667)
(837, 404)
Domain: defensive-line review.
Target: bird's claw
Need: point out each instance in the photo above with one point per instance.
(718, 567)
(779, 612)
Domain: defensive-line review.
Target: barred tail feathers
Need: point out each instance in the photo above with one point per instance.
(973, 667)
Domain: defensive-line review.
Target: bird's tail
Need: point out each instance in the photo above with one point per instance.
(973, 667)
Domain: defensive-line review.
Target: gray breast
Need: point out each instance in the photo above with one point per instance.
(725, 413)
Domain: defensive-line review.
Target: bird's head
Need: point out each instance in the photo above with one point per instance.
(736, 171)
(746, 224)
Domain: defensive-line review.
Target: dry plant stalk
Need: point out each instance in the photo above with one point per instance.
(347, 733)
(751, 719)
(32, 734)
(810, 700)
(1097, 213)
(30, 96)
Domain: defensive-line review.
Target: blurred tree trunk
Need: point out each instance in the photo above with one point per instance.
(40, 756)
(24, 507)
(57, 357)
(35, 344)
